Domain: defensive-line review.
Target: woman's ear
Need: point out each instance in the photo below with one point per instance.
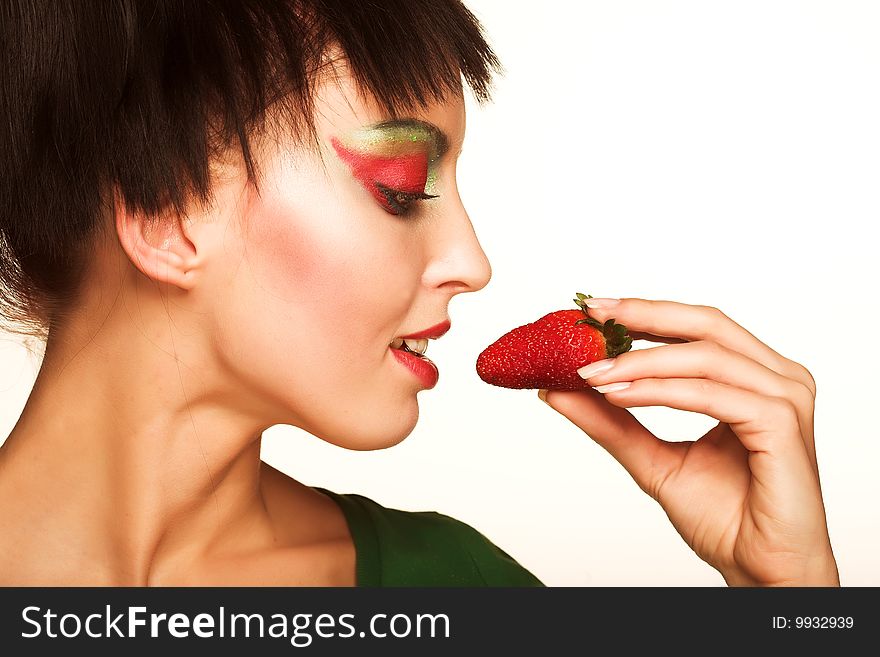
(158, 246)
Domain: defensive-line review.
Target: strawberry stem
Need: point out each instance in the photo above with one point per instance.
(617, 341)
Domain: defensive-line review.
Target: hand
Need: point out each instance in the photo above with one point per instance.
(745, 496)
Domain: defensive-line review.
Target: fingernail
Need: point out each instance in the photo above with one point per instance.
(596, 368)
(613, 387)
(542, 395)
(601, 303)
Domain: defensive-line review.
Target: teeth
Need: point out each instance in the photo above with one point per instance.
(418, 346)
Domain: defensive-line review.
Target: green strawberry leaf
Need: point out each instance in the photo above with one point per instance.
(617, 341)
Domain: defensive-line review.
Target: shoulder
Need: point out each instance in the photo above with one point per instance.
(426, 548)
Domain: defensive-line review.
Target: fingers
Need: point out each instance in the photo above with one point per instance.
(639, 335)
(701, 360)
(783, 476)
(763, 424)
(692, 322)
(709, 360)
(708, 324)
(648, 459)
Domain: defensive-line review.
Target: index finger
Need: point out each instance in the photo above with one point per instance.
(638, 335)
(692, 322)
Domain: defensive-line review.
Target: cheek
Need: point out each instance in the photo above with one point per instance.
(322, 287)
(336, 284)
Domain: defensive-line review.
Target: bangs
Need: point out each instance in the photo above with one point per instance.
(130, 101)
(408, 54)
(226, 63)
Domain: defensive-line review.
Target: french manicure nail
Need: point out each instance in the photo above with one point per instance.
(613, 387)
(601, 303)
(596, 368)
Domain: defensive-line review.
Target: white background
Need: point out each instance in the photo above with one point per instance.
(718, 153)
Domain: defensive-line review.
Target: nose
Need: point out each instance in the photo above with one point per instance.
(457, 261)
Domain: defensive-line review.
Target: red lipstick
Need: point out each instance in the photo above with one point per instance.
(433, 332)
(424, 369)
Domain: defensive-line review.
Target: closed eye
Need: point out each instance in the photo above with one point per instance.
(399, 202)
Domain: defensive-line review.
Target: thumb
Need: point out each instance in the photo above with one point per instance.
(648, 459)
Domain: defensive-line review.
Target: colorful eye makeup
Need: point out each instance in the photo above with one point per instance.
(395, 161)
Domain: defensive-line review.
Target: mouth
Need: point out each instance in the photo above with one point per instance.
(414, 347)
(417, 343)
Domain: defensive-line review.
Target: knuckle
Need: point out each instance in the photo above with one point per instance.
(799, 373)
(654, 487)
(654, 481)
(783, 411)
(774, 413)
(802, 395)
(809, 380)
(803, 376)
(713, 312)
(712, 319)
(711, 349)
(704, 388)
(709, 352)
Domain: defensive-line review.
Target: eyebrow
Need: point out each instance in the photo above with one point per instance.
(439, 139)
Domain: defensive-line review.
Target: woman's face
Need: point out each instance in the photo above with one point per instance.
(334, 260)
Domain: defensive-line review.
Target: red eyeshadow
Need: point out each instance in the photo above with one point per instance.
(405, 173)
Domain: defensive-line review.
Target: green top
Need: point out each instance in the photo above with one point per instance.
(423, 548)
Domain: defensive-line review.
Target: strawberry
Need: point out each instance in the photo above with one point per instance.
(548, 352)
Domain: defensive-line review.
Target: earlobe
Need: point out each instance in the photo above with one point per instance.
(157, 246)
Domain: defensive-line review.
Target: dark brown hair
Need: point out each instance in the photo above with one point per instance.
(139, 96)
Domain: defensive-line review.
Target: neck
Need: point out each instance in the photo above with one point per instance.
(131, 455)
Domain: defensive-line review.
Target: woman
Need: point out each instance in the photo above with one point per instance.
(220, 218)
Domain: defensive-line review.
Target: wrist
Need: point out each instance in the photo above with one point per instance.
(820, 571)
(824, 573)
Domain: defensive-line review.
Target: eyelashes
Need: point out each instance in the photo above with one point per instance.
(407, 170)
(399, 202)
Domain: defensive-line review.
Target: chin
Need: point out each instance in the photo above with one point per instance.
(377, 432)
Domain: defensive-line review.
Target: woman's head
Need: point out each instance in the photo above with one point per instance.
(252, 169)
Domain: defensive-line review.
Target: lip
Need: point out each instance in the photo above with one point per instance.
(425, 370)
(431, 333)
